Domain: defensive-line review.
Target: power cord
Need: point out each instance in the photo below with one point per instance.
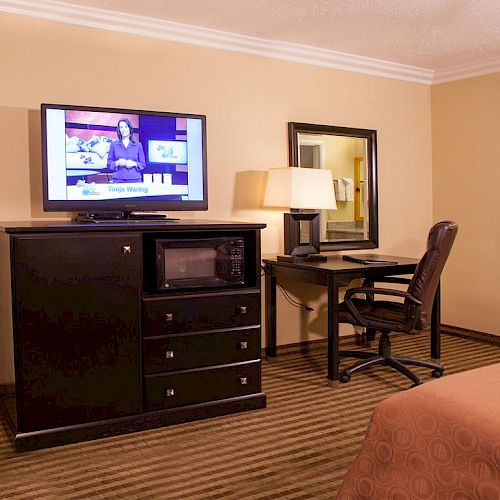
(289, 299)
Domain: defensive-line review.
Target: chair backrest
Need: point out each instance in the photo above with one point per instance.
(428, 272)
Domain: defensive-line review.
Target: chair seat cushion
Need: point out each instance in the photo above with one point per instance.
(379, 314)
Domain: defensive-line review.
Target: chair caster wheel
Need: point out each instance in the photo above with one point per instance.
(416, 384)
(437, 373)
(344, 378)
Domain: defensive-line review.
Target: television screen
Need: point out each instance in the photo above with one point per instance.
(108, 159)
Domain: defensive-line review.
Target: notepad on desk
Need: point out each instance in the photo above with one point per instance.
(363, 259)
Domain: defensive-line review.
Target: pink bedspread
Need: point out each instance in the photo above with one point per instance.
(440, 440)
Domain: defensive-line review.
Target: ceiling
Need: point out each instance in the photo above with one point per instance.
(435, 36)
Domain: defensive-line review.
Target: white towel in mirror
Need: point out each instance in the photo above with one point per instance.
(344, 189)
(339, 189)
(349, 188)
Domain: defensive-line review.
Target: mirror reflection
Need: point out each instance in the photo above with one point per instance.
(345, 157)
(351, 156)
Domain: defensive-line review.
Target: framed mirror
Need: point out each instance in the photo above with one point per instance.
(351, 154)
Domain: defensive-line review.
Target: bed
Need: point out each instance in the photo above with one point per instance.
(440, 440)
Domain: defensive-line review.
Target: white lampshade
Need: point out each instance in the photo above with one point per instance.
(295, 187)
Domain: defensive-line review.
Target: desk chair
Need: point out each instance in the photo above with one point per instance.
(410, 316)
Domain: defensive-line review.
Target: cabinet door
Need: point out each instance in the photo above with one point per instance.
(77, 337)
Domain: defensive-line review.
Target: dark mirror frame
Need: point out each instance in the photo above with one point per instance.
(294, 129)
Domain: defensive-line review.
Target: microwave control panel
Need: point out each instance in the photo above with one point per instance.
(236, 258)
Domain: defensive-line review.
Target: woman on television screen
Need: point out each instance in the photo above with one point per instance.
(126, 156)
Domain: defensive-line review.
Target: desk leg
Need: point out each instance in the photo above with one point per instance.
(436, 326)
(333, 332)
(270, 317)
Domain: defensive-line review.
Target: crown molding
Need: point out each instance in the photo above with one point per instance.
(183, 33)
(466, 71)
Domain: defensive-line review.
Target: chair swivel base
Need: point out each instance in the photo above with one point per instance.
(385, 358)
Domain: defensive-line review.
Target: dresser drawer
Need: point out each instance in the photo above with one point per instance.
(191, 313)
(195, 350)
(200, 386)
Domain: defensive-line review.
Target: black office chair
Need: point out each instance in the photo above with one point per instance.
(410, 316)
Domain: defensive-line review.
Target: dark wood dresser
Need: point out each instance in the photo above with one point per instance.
(91, 347)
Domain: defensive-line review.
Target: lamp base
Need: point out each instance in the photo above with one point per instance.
(293, 241)
(313, 257)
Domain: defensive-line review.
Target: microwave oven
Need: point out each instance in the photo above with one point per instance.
(200, 263)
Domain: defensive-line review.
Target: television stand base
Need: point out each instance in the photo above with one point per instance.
(95, 216)
(149, 216)
(122, 216)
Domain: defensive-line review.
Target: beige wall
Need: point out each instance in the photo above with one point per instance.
(248, 101)
(466, 177)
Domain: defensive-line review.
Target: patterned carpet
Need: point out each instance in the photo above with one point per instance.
(300, 446)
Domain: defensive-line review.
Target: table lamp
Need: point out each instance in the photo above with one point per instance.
(300, 189)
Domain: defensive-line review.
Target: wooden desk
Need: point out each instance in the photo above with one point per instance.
(333, 274)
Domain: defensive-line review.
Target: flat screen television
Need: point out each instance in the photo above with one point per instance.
(108, 160)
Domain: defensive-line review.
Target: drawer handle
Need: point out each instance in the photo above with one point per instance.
(126, 249)
(243, 380)
(243, 345)
(169, 354)
(168, 393)
(243, 309)
(169, 317)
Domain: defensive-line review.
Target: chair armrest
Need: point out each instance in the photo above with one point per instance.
(370, 292)
(381, 291)
(384, 279)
